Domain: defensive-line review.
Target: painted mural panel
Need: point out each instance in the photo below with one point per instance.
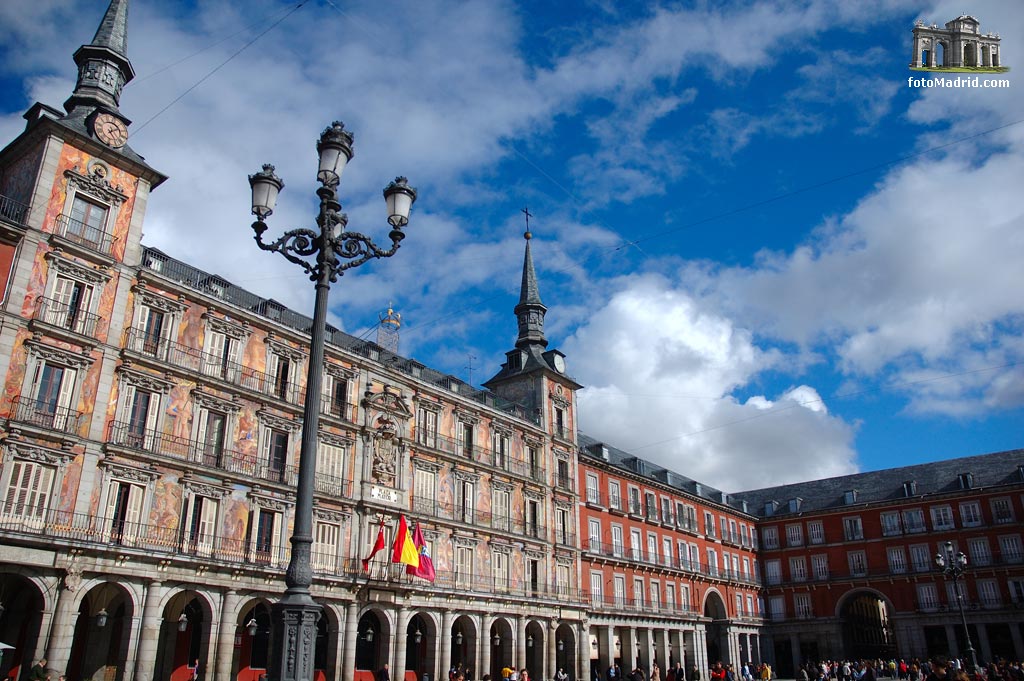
(19, 176)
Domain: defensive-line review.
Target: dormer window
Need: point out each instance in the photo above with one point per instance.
(850, 496)
(910, 488)
(794, 504)
(966, 480)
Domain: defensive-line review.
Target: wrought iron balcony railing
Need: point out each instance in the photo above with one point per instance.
(84, 234)
(13, 211)
(67, 317)
(46, 415)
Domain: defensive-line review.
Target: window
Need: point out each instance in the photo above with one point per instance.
(499, 448)
(988, 593)
(979, 551)
(777, 606)
(891, 524)
(913, 520)
(858, 563)
(655, 596)
(666, 510)
(773, 571)
(670, 596)
(467, 439)
(620, 590)
(666, 550)
(694, 557)
(683, 553)
(750, 606)
(802, 606)
(330, 469)
(739, 605)
(852, 528)
(636, 549)
(794, 535)
(798, 569)
(266, 536)
(69, 306)
(500, 513)
(220, 353)
(684, 597)
(746, 568)
(593, 493)
(326, 538)
(1016, 588)
(560, 429)
(734, 536)
(124, 512)
(533, 514)
(596, 586)
(562, 529)
(211, 435)
(88, 221)
(744, 536)
(335, 401)
(275, 453)
(819, 563)
(562, 580)
(200, 524)
(920, 558)
(594, 534)
(770, 537)
(463, 567)
(28, 492)
(650, 506)
(956, 591)
(927, 597)
(614, 495)
(638, 592)
(1002, 511)
(1009, 547)
(816, 532)
(897, 560)
(424, 495)
(426, 427)
(634, 500)
(499, 569)
(712, 562)
(140, 409)
(465, 500)
(652, 548)
(618, 544)
(709, 524)
(942, 518)
(970, 514)
(153, 328)
(53, 394)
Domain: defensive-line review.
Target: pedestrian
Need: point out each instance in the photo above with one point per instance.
(561, 675)
(384, 673)
(655, 672)
(694, 673)
(39, 671)
(524, 675)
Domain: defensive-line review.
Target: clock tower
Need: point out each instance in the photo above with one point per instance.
(532, 375)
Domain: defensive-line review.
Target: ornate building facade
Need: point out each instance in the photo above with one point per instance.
(150, 427)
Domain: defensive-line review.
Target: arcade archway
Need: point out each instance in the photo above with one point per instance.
(867, 629)
(715, 630)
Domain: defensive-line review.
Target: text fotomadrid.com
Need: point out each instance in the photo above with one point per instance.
(959, 81)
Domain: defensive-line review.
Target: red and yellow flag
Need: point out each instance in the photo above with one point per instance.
(404, 550)
(377, 546)
(426, 567)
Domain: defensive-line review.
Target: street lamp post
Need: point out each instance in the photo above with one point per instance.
(334, 250)
(953, 566)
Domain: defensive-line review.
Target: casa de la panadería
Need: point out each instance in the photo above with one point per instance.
(150, 432)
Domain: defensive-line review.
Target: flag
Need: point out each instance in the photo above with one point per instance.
(377, 546)
(426, 566)
(404, 551)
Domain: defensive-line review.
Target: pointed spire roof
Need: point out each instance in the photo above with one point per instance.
(530, 311)
(528, 292)
(113, 30)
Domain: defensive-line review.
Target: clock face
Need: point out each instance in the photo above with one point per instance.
(559, 363)
(110, 130)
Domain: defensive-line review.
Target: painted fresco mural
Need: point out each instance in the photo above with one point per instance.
(19, 176)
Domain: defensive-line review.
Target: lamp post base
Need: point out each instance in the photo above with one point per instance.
(293, 637)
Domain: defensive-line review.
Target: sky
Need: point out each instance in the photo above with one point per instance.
(767, 255)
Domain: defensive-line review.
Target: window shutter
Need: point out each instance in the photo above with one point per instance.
(134, 514)
(272, 365)
(214, 352)
(151, 420)
(206, 526)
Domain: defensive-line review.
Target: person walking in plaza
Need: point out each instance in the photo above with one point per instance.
(384, 673)
(39, 671)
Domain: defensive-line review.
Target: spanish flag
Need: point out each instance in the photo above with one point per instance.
(377, 545)
(404, 550)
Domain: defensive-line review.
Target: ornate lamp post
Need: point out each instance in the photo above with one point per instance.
(953, 566)
(334, 250)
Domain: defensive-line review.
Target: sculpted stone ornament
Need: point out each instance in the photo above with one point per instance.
(385, 452)
(73, 577)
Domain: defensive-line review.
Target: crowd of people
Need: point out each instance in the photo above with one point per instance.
(937, 669)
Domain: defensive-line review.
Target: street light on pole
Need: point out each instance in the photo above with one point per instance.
(953, 565)
(333, 250)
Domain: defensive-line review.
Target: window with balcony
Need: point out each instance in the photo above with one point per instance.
(712, 562)
(798, 569)
(618, 543)
(655, 596)
(501, 509)
(816, 532)
(858, 563)
(560, 429)
(619, 589)
(500, 448)
(684, 597)
(594, 534)
(897, 560)
(634, 501)
(336, 401)
(533, 516)
(266, 543)
(597, 588)
(794, 535)
(650, 506)
(970, 514)
(694, 557)
(942, 518)
(709, 524)
(920, 558)
(465, 500)
(773, 571)
(593, 489)
(666, 510)
(499, 570)
(124, 504)
(734, 536)
(891, 524)
(988, 593)
(777, 607)
(1002, 510)
(652, 549)
(979, 552)
(615, 495)
(463, 567)
(70, 306)
(466, 439)
(141, 409)
(563, 581)
(331, 476)
(638, 593)
(750, 606)
(282, 372)
(670, 597)
(927, 596)
(666, 550)
(819, 564)
(746, 568)
(913, 520)
(956, 591)
(1016, 589)
(682, 552)
(326, 543)
(636, 549)
(275, 453)
(28, 495)
(563, 477)
(744, 535)
(852, 528)
(1010, 548)
(770, 537)
(201, 523)
(802, 606)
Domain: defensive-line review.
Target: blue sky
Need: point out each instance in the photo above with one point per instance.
(750, 256)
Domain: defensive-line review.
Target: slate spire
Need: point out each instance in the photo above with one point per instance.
(530, 311)
(103, 65)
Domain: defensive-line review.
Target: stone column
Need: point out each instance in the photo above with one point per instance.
(485, 648)
(401, 645)
(520, 661)
(984, 651)
(661, 650)
(954, 644)
(915, 58)
(62, 630)
(1018, 643)
(552, 648)
(446, 645)
(581, 663)
(348, 667)
(794, 650)
(149, 634)
(228, 628)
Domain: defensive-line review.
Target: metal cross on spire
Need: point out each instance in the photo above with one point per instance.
(526, 211)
